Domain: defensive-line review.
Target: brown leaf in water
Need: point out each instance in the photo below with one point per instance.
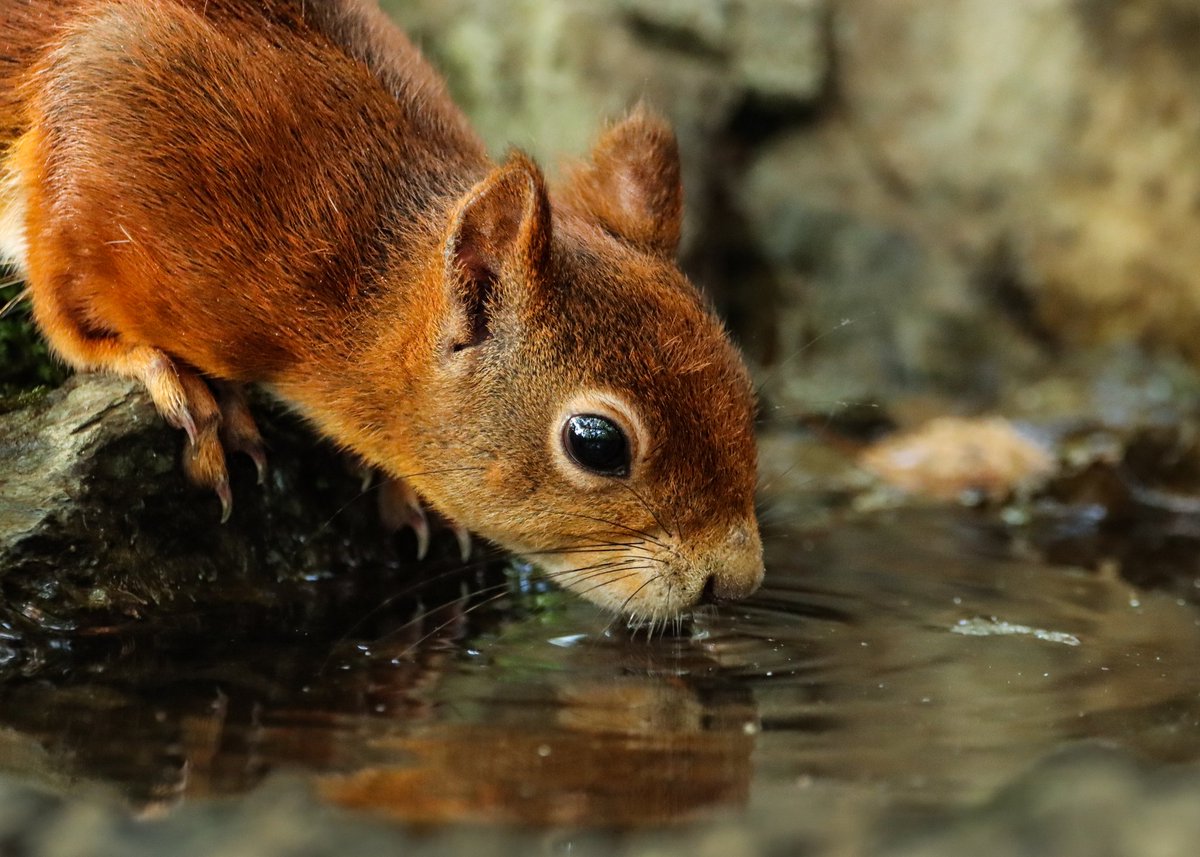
(951, 456)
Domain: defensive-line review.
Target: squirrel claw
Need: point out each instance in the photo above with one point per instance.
(239, 432)
(260, 463)
(421, 528)
(463, 536)
(184, 421)
(399, 507)
(186, 401)
(225, 495)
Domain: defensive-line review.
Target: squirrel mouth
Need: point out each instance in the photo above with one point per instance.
(650, 579)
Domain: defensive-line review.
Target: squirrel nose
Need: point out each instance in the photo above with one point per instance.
(738, 570)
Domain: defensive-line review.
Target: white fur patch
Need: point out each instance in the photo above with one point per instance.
(13, 245)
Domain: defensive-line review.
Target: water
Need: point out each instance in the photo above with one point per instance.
(912, 659)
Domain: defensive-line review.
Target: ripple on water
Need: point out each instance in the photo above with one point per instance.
(905, 659)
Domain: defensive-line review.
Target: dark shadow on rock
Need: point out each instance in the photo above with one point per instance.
(101, 534)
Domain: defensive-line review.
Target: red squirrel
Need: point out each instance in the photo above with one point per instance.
(204, 194)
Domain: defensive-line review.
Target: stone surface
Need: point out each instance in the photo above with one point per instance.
(98, 525)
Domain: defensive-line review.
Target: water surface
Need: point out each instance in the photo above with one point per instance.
(913, 659)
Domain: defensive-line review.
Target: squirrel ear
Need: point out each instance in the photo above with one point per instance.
(631, 185)
(500, 233)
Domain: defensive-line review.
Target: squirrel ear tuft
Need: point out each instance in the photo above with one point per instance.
(499, 235)
(631, 184)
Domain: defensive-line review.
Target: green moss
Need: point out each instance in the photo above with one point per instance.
(25, 360)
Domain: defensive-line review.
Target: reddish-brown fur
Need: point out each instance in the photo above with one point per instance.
(215, 192)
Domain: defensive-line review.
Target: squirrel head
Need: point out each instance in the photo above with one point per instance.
(609, 435)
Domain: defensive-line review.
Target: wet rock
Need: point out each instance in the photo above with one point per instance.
(99, 526)
(1124, 502)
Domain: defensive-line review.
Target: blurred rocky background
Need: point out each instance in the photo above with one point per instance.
(885, 195)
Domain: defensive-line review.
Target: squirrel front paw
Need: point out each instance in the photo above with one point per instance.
(186, 401)
(400, 507)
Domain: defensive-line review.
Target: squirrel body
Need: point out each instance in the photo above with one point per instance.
(203, 194)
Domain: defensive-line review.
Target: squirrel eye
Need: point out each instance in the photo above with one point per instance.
(597, 444)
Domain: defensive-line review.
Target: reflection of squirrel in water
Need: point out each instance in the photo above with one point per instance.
(206, 193)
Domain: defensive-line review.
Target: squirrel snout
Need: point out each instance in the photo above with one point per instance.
(738, 568)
